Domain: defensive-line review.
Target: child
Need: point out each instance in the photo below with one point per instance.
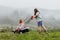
(21, 27)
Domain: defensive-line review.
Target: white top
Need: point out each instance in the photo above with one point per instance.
(21, 26)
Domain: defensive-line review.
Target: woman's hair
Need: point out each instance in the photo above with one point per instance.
(35, 11)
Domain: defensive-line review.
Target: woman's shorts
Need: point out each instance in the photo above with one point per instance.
(39, 23)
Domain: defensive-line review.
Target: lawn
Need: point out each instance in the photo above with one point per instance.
(32, 35)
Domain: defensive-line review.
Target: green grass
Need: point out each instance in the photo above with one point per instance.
(32, 35)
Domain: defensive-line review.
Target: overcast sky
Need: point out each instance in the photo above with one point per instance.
(45, 4)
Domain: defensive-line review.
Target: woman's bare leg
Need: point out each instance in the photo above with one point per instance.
(45, 30)
(39, 29)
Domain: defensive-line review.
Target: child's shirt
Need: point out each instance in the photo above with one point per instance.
(21, 26)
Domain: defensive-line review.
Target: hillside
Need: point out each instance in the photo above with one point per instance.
(11, 16)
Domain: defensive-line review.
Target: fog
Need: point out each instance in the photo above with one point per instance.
(22, 12)
(11, 16)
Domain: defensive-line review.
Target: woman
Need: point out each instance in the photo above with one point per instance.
(21, 27)
(38, 17)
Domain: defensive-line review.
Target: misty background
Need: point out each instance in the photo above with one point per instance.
(10, 16)
(11, 11)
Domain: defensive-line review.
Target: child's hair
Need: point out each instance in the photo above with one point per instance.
(21, 20)
(35, 11)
